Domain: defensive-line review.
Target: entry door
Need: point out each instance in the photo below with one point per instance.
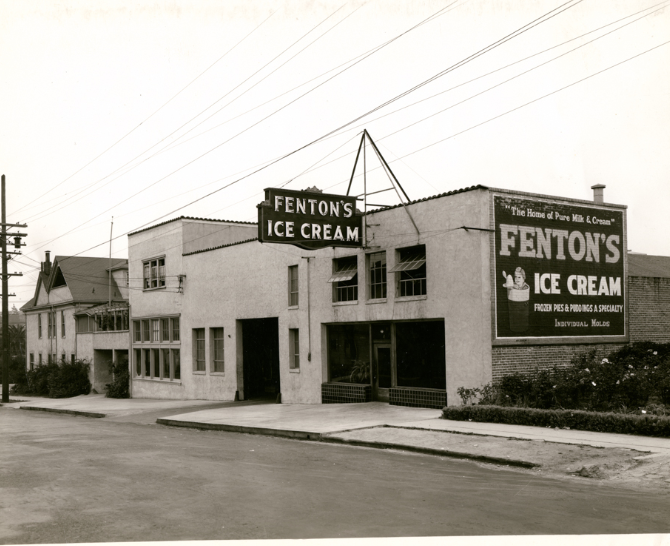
(381, 380)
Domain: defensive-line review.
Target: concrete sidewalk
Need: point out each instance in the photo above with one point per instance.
(372, 424)
(333, 421)
(97, 405)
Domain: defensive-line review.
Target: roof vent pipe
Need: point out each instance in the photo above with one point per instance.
(598, 193)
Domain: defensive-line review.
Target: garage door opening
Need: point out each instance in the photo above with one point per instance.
(260, 349)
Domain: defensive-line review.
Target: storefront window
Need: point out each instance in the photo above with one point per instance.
(349, 353)
(420, 355)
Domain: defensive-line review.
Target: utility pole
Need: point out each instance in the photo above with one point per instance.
(4, 234)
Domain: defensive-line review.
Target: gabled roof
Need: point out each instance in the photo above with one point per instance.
(86, 278)
(643, 265)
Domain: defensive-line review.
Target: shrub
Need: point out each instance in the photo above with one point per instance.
(38, 379)
(120, 385)
(69, 379)
(647, 425)
(630, 378)
(60, 380)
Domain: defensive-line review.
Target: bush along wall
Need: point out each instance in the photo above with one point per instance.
(620, 423)
(626, 380)
(120, 386)
(57, 380)
(627, 392)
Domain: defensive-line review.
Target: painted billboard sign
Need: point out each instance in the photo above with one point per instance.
(309, 220)
(559, 270)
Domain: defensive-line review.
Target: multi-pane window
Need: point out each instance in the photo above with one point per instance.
(53, 358)
(377, 275)
(165, 356)
(176, 363)
(216, 343)
(165, 329)
(410, 271)
(175, 328)
(345, 279)
(62, 324)
(40, 361)
(39, 326)
(32, 361)
(154, 273)
(159, 359)
(293, 285)
(49, 326)
(199, 349)
(294, 348)
(155, 363)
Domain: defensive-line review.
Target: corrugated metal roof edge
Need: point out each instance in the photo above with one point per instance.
(190, 218)
(445, 194)
(220, 246)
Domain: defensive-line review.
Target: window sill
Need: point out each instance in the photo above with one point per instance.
(379, 300)
(338, 303)
(152, 289)
(198, 373)
(159, 380)
(220, 374)
(294, 370)
(293, 307)
(411, 298)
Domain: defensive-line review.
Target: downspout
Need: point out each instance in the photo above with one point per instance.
(309, 317)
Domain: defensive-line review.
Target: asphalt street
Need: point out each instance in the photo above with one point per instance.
(76, 479)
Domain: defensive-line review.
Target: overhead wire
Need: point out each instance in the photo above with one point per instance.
(152, 114)
(49, 212)
(498, 70)
(525, 28)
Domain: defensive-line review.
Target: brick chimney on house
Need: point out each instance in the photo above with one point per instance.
(46, 264)
(598, 193)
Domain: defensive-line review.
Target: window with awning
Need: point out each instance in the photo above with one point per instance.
(410, 270)
(345, 279)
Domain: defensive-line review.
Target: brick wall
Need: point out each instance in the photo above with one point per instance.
(649, 309)
(648, 317)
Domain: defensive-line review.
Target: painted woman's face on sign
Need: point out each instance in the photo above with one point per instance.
(518, 279)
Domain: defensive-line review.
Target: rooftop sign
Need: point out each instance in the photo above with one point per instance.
(559, 270)
(309, 220)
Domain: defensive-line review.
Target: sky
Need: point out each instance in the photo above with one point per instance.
(137, 111)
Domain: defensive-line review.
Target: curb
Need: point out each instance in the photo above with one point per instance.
(70, 412)
(431, 451)
(295, 434)
(318, 437)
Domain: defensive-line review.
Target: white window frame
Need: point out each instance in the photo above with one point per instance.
(217, 363)
(199, 351)
(153, 273)
(294, 349)
(293, 286)
(381, 271)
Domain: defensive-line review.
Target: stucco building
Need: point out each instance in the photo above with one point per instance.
(79, 311)
(454, 290)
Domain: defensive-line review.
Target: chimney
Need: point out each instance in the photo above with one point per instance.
(598, 193)
(46, 264)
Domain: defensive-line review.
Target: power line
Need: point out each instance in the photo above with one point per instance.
(516, 33)
(498, 70)
(151, 115)
(47, 213)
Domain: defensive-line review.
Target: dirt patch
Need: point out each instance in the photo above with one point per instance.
(625, 467)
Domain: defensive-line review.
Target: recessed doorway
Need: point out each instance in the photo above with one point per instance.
(260, 349)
